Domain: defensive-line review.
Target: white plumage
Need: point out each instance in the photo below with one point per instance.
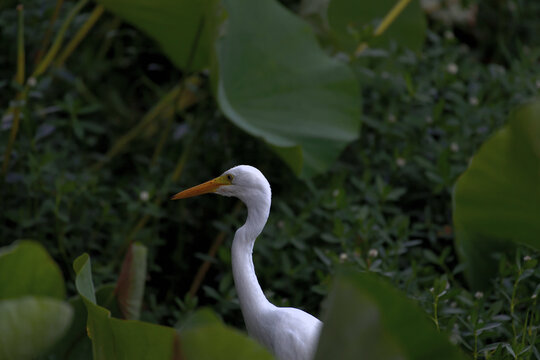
(289, 333)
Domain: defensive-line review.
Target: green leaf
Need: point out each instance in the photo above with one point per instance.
(83, 281)
(121, 339)
(204, 337)
(202, 317)
(368, 318)
(179, 26)
(130, 286)
(350, 20)
(497, 200)
(288, 92)
(30, 325)
(75, 344)
(27, 269)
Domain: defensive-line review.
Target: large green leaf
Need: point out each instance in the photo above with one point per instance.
(226, 343)
(367, 318)
(350, 19)
(497, 200)
(27, 269)
(179, 26)
(130, 287)
(121, 339)
(30, 325)
(276, 83)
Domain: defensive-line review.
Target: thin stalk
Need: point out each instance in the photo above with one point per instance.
(168, 126)
(106, 45)
(475, 353)
(513, 302)
(55, 47)
(21, 95)
(20, 46)
(48, 33)
(385, 23)
(125, 139)
(436, 312)
(205, 266)
(79, 36)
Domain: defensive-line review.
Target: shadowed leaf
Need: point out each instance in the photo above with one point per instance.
(36, 272)
(174, 24)
(30, 325)
(226, 343)
(303, 103)
(497, 200)
(368, 318)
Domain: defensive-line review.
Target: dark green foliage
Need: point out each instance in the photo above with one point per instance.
(384, 206)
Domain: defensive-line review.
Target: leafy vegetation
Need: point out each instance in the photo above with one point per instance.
(104, 119)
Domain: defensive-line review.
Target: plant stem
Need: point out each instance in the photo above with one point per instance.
(391, 16)
(475, 353)
(385, 23)
(20, 45)
(106, 45)
(47, 38)
(21, 95)
(203, 269)
(513, 305)
(150, 116)
(435, 312)
(44, 64)
(167, 128)
(79, 36)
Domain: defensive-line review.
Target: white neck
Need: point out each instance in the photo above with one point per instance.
(250, 294)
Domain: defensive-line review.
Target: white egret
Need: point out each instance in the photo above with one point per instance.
(289, 333)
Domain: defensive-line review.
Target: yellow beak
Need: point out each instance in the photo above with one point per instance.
(204, 188)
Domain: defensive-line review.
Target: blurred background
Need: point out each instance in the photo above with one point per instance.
(362, 134)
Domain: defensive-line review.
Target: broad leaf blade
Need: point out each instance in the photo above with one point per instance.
(497, 200)
(368, 318)
(179, 26)
(30, 325)
(204, 337)
(287, 92)
(34, 270)
(130, 286)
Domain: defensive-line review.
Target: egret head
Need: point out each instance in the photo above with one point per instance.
(243, 181)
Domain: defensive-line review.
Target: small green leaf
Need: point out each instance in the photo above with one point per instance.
(83, 281)
(30, 325)
(303, 103)
(27, 269)
(368, 318)
(497, 200)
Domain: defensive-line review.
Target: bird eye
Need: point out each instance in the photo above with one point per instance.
(229, 177)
